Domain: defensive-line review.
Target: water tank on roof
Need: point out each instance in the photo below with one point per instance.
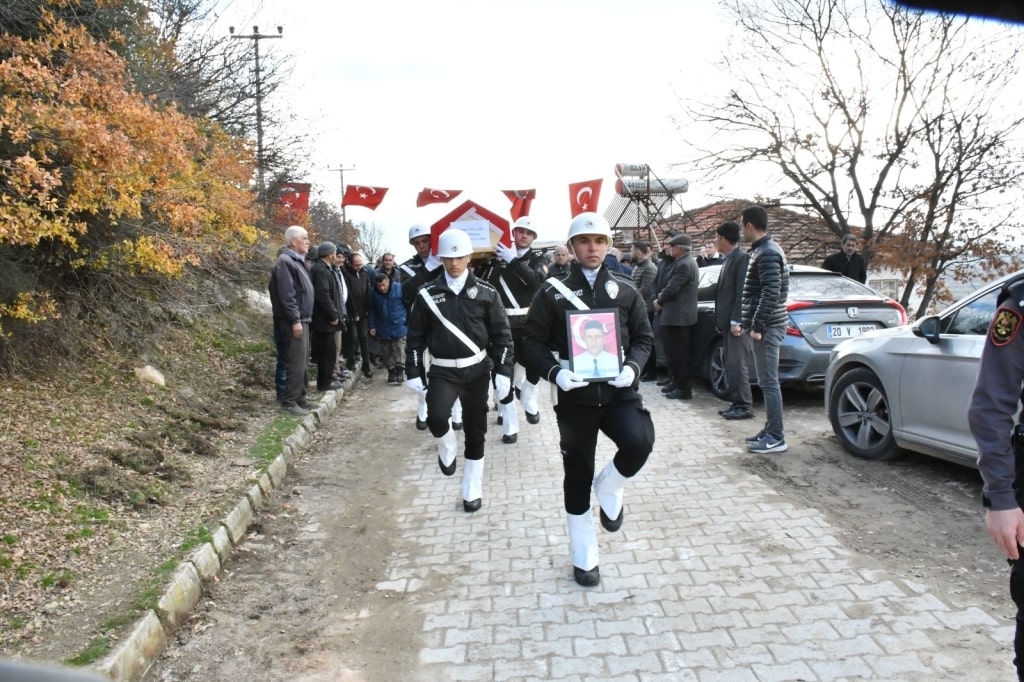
(629, 186)
(623, 170)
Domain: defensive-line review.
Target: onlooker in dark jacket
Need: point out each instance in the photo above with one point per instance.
(386, 320)
(358, 281)
(764, 315)
(727, 292)
(645, 272)
(328, 316)
(291, 299)
(677, 303)
(847, 261)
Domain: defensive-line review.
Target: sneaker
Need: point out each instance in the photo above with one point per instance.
(768, 444)
(753, 439)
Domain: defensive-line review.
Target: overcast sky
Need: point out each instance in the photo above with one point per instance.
(487, 95)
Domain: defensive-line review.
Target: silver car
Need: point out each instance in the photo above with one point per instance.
(909, 387)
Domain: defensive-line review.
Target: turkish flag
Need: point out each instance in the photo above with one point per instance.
(363, 195)
(583, 196)
(436, 196)
(521, 200)
(294, 196)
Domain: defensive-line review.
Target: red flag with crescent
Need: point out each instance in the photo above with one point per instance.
(583, 196)
(294, 196)
(363, 195)
(436, 196)
(521, 200)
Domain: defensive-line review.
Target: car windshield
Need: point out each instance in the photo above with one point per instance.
(818, 287)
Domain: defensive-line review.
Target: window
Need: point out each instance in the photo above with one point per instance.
(974, 318)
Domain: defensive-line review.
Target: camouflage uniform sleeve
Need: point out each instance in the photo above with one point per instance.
(994, 405)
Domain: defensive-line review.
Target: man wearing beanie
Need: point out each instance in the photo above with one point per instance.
(327, 316)
(728, 295)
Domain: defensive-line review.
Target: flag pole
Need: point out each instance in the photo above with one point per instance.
(341, 171)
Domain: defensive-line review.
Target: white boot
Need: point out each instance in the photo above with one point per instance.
(421, 411)
(583, 548)
(528, 397)
(447, 449)
(457, 414)
(608, 485)
(472, 484)
(509, 420)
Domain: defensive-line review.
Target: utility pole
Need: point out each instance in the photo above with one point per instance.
(256, 37)
(341, 171)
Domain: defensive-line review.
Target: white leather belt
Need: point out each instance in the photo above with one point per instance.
(516, 311)
(459, 363)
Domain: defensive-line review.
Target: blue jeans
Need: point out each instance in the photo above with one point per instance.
(766, 358)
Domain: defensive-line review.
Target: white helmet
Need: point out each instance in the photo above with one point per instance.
(589, 223)
(525, 223)
(454, 243)
(418, 231)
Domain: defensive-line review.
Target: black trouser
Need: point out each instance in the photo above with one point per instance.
(297, 352)
(441, 395)
(651, 368)
(1017, 594)
(324, 354)
(678, 342)
(624, 420)
(357, 332)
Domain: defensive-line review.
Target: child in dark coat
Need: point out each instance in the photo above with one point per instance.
(386, 321)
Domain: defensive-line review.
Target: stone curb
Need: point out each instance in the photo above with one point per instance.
(151, 633)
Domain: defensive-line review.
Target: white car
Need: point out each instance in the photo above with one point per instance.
(909, 387)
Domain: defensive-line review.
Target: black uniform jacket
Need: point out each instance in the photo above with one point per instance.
(523, 276)
(477, 312)
(546, 334)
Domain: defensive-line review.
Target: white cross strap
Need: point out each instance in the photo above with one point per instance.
(569, 295)
(458, 333)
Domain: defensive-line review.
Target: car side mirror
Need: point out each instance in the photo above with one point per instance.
(928, 328)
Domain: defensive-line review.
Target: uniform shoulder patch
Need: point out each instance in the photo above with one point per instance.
(1004, 326)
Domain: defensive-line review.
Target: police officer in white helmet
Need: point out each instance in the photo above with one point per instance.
(516, 272)
(413, 274)
(461, 322)
(584, 408)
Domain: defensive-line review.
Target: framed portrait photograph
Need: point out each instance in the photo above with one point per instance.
(594, 345)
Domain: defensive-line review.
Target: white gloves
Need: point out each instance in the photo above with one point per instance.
(502, 386)
(567, 381)
(625, 378)
(505, 253)
(432, 263)
(415, 384)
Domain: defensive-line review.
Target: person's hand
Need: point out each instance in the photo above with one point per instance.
(1007, 528)
(373, 332)
(567, 381)
(755, 335)
(625, 378)
(297, 330)
(505, 253)
(415, 385)
(502, 386)
(736, 330)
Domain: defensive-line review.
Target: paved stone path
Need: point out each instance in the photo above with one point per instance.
(712, 577)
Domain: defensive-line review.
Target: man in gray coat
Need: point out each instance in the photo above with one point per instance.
(677, 303)
(292, 294)
(728, 295)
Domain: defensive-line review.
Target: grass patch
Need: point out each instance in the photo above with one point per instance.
(270, 443)
(95, 651)
(194, 538)
(60, 579)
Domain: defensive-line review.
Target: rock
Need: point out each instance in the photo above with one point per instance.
(150, 375)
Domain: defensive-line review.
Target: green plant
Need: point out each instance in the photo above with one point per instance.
(270, 442)
(96, 649)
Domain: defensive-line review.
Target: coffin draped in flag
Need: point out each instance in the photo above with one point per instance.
(583, 196)
(436, 196)
(485, 228)
(363, 195)
(521, 200)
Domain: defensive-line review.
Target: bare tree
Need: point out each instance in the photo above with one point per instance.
(371, 241)
(879, 118)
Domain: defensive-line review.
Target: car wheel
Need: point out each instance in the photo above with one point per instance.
(859, 411)
(716, 370)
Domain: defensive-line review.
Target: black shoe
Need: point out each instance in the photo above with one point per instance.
(391, 376)
(500, 420)
(333, 386)
(447, 470)
(294, 409)
(303, 403)
(345, 375)
(533, 418)
(508, 440)
(457, 426)
(728, 409)
(367, 373)
(472, 505)
(738, 412)
(587, 578)
(664, 382)
(420, 424)
(680, 394)
(668, 388)
(648, 377)
(612, 525)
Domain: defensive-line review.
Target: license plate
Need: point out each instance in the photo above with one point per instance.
(848, 331)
